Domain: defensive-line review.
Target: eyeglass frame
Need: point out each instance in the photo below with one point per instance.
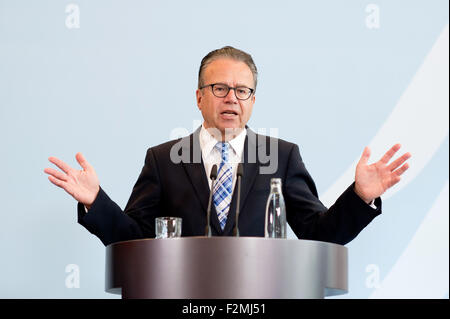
(229, 88)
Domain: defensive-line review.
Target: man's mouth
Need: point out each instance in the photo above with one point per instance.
(229, 113)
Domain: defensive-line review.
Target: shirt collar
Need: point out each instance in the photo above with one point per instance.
(207, 142)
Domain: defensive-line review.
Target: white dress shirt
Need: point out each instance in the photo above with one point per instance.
(212, 155)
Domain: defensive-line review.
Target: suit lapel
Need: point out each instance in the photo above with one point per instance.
(193, 165)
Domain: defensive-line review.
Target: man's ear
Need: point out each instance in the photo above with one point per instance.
(199, 97)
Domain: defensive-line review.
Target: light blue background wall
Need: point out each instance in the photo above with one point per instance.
(126, 78)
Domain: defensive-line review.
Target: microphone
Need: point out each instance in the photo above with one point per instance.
(213, 177)
(239, 174)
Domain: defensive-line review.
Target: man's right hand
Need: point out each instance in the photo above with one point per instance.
(83, 185)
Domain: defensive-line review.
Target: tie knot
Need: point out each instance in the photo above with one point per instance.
(224, 149)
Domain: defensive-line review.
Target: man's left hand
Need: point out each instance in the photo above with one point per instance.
(371, 181)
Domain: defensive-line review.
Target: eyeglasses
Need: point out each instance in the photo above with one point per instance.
(221, 90)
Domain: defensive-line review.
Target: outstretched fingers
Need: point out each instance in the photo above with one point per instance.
(399, 161)
(56, 174)
(82, 161)
(56, 181)
(387, 157)
(63, 166)
(62, 184)
(396, 175)
(365, 156)
(401, 170)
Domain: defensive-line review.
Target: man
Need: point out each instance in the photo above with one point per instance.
(175, 178)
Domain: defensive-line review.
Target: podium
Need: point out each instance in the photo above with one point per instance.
(226, 268)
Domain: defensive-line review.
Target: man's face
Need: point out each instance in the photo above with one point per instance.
(227, 112)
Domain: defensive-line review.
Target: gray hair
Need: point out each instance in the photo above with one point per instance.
(231, 53)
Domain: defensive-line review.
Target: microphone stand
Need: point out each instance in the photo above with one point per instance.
(240, 172)
(213, 177)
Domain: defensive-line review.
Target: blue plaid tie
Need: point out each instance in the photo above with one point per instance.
(223, 186)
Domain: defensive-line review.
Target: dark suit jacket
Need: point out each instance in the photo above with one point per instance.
(165, 188)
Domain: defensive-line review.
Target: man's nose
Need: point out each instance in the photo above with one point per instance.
(230, 97)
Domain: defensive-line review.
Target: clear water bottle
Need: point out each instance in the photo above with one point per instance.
(275, 225)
